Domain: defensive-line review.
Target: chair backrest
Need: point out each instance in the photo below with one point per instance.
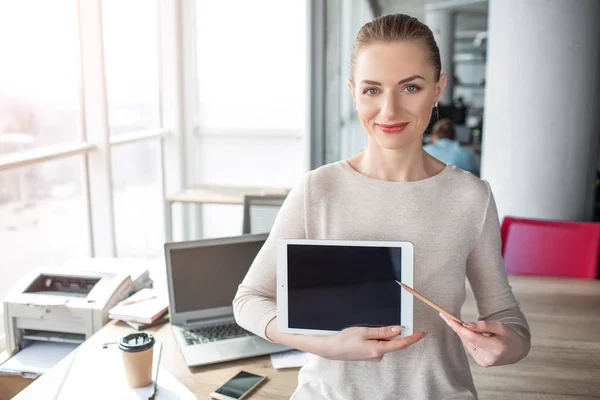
(260, 212)
(550, 248)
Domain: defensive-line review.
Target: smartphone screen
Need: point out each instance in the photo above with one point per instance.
(239, 385)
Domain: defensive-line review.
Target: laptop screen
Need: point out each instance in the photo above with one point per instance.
(207, 276)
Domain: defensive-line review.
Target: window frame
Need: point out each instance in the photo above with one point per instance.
(96, 142)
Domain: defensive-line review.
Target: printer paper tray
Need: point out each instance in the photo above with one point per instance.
(59, 337)
(36, 359)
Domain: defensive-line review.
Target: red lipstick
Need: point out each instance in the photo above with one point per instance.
(395, 128)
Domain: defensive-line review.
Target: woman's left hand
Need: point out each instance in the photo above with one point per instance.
(504, 345)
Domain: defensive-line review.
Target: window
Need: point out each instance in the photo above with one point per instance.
(251, 101)
(251, 70)
(43, 218)
(131, 62)
(43, 210)
(137, 194)
(55, 188)
(130, 31)
(39, 74)
(353, 138)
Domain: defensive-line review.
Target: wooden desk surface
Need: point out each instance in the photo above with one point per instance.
(217, 194)
(564, 363)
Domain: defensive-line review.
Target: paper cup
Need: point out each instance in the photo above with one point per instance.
(137, 350)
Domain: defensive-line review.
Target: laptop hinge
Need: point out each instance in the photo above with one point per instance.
(211, 321)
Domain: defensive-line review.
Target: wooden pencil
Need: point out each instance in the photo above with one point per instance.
(429, 302)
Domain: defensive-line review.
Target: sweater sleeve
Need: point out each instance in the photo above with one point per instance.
(487, 276)
(255, 301)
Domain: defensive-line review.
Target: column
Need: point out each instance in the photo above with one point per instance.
(541, 119)
(441, 23)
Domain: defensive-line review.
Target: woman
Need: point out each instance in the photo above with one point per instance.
(393, 190)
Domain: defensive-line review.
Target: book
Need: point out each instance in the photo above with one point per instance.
(144, 307)
(141, 326)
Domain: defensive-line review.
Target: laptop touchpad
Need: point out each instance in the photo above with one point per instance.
(239, 347)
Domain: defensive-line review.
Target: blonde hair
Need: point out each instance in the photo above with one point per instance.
(393, 28)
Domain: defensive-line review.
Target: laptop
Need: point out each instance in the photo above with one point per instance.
(203, 277)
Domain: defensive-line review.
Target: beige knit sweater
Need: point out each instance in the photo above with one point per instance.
(452, 221)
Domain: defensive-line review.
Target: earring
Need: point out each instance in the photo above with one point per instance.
(437, 110)
(435, 104)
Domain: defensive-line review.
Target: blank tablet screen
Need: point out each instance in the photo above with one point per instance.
(335, 287)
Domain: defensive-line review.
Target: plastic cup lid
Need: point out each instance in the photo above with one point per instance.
(135, 342)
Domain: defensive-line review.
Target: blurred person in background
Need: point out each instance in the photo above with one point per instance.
(446, 148)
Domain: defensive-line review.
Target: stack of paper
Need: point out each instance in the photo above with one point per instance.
(144, 307)
(37, 358)
(289, 359)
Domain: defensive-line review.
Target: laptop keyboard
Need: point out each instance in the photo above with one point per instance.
(213, 333)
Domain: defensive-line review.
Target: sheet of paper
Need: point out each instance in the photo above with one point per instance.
(170, 388)
(101, 376)
(37, 358)
(289, 359)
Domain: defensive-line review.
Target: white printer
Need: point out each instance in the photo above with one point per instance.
(59, 304)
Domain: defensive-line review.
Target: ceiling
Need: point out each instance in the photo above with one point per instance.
(416, 8)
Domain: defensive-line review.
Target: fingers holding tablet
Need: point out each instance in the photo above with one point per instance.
(367, 344)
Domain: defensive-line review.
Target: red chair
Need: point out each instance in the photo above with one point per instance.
(550, 248)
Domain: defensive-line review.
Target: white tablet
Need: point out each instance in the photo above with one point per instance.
(324, 286)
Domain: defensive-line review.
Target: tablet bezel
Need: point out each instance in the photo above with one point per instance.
(406, 299)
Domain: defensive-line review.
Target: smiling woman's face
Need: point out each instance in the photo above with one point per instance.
(394, 88)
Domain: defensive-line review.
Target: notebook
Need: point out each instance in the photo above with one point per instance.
(141, 326)
(144, 307)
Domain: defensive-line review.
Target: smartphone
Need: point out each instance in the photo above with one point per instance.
(238, 387)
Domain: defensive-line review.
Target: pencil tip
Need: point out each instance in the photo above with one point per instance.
(398, 283)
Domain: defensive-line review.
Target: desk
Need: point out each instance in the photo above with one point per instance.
(564, 363)
(213, 194)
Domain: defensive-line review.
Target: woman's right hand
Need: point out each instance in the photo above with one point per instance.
(367, 344)
(351, 344)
